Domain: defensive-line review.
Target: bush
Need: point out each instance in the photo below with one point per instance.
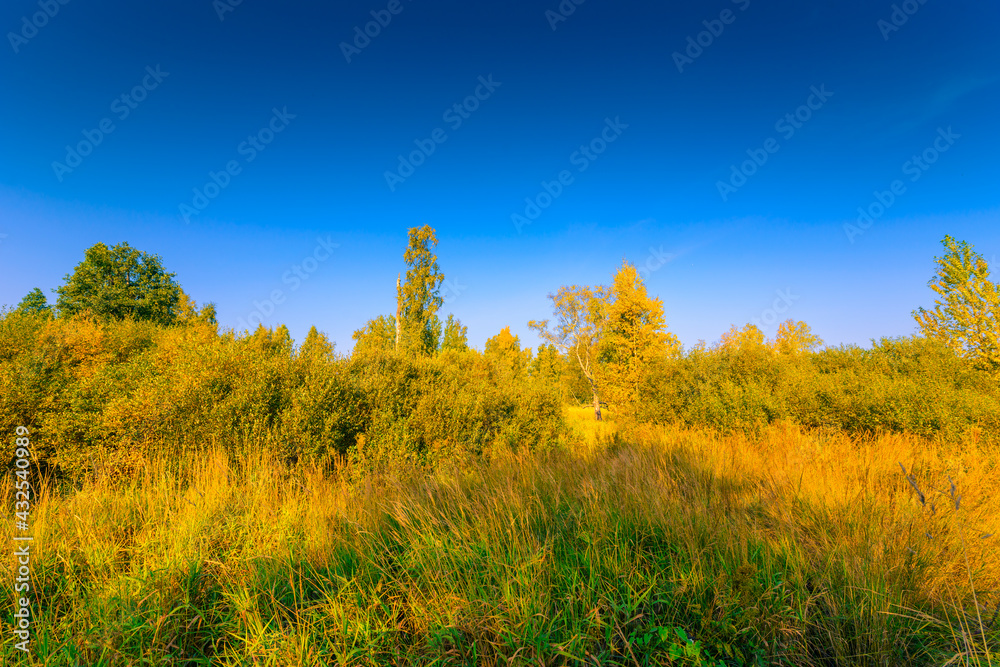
(95, 392)
(912, 385)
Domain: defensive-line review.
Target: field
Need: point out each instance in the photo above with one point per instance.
(662, 545)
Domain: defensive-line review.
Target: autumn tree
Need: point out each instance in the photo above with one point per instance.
(120, 282)
(546, 368)
(634, 339)
(316, 346)
(456, 337)
(378, 334)
(795, 338)
(188, 311)
(966, 316)
(576, 331)
(35, 303)
(419, 298)
(749, 339)
(505, 351)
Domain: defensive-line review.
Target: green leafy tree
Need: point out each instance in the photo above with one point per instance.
(419, 296)
(456, 337)
(966, 316)
(634, 338)
(120, 282)
(576, 332)
(35, 303)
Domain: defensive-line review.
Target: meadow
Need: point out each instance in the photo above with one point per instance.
(202, 496)
(676, 547)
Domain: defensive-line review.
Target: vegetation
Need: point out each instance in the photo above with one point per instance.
(967, 316)
(120, 282)
(229, 498)
(690, 548)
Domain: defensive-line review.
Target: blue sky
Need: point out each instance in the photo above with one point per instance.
(724, 146)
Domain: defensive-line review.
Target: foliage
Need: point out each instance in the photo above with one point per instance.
(378, 335)
(795, 338)
(455, 337)
(504, 350)
(419, 295)
(683, 548)
(914, 385)
(35, 303)
(188, 311)
(100, 391)
(120, 282)
(966, 316)
(576, 332)
(633, 339)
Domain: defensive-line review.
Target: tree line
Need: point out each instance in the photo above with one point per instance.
(126, 361)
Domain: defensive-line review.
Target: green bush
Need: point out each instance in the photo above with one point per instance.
(95, 393)
(912, 385)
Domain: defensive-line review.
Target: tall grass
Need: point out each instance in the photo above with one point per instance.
(674, 546)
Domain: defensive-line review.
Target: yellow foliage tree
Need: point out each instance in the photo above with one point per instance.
(748, 339)
(505, 351)
(795, 338)
(634, 338)
(966, 317)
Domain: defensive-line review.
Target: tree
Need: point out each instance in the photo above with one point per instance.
(456, 337)
(418, 299)
(750, 339)
(579, 314)
(120, 282)
(35, 303)
(188, 311)
(795, 338)
(316, 346)
(634, 338)
(378, 335)
(505, 351)
(546, 367)
(966, 317)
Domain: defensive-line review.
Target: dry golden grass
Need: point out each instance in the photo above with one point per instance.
(808, 547)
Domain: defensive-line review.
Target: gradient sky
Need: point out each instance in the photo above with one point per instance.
(776, 243)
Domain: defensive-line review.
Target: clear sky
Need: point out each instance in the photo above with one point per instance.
(723, 146)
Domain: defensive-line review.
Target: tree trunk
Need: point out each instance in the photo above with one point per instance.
(597, 407)
(399, 310)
